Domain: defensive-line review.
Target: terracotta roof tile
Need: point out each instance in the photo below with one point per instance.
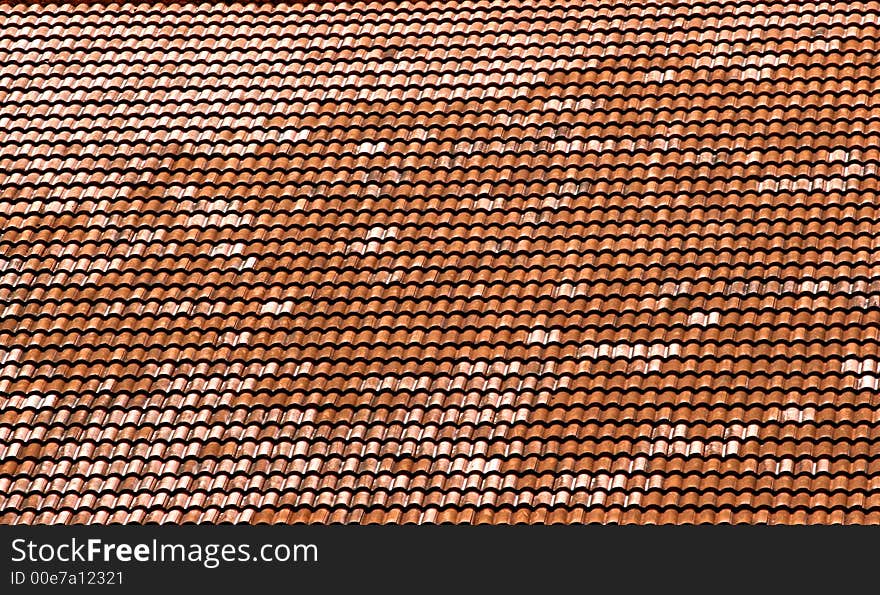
(447, 262)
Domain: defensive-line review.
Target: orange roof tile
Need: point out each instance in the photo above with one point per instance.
(423, 262)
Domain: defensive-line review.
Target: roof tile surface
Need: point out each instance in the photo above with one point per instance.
(452, 261)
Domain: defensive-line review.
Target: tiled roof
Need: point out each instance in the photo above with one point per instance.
(447, 261)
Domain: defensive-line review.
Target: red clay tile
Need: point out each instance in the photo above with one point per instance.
(543, 271)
